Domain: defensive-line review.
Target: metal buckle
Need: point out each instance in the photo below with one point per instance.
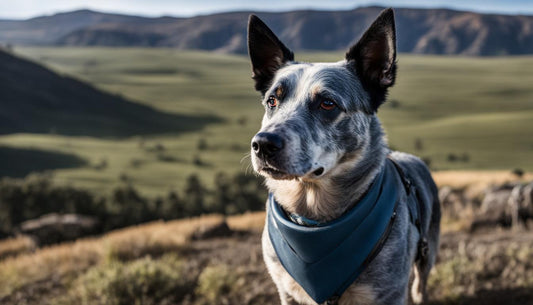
(423, 248)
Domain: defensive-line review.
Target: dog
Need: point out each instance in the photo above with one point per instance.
(323, 153)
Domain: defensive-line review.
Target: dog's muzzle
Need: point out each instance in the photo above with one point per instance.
(271, 160)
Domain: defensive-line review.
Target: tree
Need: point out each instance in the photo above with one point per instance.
(194, 196)
(222, 195)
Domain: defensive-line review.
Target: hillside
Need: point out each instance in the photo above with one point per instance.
(423, 31)
(455, 112)
(38, 100)
(196, 262)
(19, 162)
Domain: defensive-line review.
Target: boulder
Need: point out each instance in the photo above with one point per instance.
(54, 228)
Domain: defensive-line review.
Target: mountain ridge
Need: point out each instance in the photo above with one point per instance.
(420, 31)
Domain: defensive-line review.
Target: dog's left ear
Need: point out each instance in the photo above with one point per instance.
(267, 53)
(374, 57)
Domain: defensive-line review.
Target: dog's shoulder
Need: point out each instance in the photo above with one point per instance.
(426, 189)
(414, 168)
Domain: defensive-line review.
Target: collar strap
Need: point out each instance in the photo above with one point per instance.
(304, 221)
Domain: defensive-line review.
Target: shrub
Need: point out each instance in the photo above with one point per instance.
(394, 103)
(136, 163)
(202, 144)
(419, 145)
(452, 157)
(215, 284)
(242, 120)
(197, 160)
(166, 158)
(101, 165)
(518, 172)
(427, 161)
(143, 281)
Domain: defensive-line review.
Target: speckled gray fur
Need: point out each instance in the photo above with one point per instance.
(348, 143)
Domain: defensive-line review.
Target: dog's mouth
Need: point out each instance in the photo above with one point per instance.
(319, 171)
(283, 175)
(276, 173)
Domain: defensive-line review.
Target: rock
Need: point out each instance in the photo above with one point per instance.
(54, 228)
(453, 202)
(520, 204)
(499, 207)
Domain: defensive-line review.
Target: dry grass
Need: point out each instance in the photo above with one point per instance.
(15, 246)
(52, 262)
(254, 221)
(154, 238)
(135, 257)
(495, 261)
(72, 258)
(458, 179)
(66, 262)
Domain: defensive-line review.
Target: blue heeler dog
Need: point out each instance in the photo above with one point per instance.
(348, 221)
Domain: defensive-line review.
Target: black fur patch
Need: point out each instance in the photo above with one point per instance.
(267, 53)
(373, 58)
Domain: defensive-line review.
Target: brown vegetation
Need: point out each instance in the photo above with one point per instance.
(217, 260)
(15, 246)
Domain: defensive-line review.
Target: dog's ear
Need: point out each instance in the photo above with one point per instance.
(267, 53)
(374, 57)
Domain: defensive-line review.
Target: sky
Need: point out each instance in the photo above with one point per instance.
(23, 9)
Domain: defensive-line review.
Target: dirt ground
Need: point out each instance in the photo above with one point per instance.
(489, 267)
(493, 283)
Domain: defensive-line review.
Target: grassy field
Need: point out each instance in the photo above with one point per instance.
(457, 112)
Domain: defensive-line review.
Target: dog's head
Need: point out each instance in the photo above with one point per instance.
(317, 115)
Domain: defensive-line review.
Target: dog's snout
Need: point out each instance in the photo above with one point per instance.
(267, 144)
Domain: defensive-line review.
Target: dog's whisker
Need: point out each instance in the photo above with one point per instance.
(246, 156)
(246, 160)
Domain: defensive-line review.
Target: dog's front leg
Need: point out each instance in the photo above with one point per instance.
(275, 269)
(285, 298)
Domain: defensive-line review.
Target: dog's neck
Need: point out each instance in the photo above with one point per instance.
(331, 196)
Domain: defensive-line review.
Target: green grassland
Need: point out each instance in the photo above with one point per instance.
(465, 113)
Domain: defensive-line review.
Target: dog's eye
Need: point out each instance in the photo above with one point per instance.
(328, 105)
(272, 102)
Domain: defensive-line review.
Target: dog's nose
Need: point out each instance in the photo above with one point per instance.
(267, 144)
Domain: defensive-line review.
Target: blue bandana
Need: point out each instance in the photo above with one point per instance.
(327, 258)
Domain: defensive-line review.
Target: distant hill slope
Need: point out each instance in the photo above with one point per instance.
(19, 162)
(37, 100)
(427, 31)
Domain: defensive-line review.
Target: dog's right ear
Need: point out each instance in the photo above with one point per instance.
(267, 53)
